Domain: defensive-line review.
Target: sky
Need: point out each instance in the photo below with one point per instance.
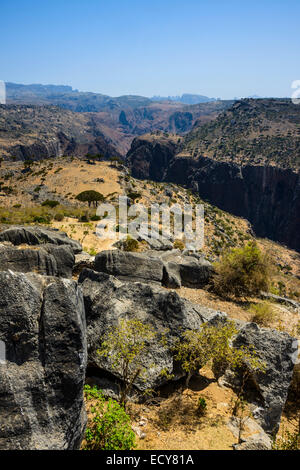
(218, 48)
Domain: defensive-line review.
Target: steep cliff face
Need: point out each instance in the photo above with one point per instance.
(267, 196)
(149, 156)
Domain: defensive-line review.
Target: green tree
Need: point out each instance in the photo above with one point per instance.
(90, 197)
(124, 346)
(212, 344)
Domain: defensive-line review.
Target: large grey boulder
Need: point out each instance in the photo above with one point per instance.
(185, 269)
(37, 235)
(42, 326)
(278, 351)
(108, 300)
(130, 266)
(51, 260)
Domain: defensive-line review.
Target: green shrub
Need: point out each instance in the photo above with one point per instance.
(95, 218)
(40, 219)
(50, 203)
(109, 425)
(130, 244)
(59, 216)
(178, 244)
(242, 272)
(84, 218)
(201, 406)
(124, 346)
(263, 314)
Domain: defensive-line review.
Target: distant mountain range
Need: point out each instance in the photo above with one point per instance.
(81, 101)
(186, 98)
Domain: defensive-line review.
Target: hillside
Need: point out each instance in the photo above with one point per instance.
(36, 132)
(251, 131)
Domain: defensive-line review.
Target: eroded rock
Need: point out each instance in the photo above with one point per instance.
(42, 325)
(37, 235)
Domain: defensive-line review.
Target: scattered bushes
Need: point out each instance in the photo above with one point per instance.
(288, 441)
(109, 425)
(40, 214)
(242, 272)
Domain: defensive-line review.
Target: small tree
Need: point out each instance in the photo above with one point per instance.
(90, 197)
(242, 272)
(212, 343)
(124, 346)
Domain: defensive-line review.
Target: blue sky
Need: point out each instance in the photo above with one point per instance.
(222, 48)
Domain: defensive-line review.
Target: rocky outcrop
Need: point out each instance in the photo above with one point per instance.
(42, 326)
(50, 260)
(108, 299)
(83, 260)
(37, 235)
(278, 351)
(169, 268)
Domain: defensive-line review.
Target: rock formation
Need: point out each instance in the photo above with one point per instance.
(51, 260)
(42, 325)
(35, 235)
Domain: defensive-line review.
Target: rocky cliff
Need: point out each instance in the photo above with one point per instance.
(267, 196)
